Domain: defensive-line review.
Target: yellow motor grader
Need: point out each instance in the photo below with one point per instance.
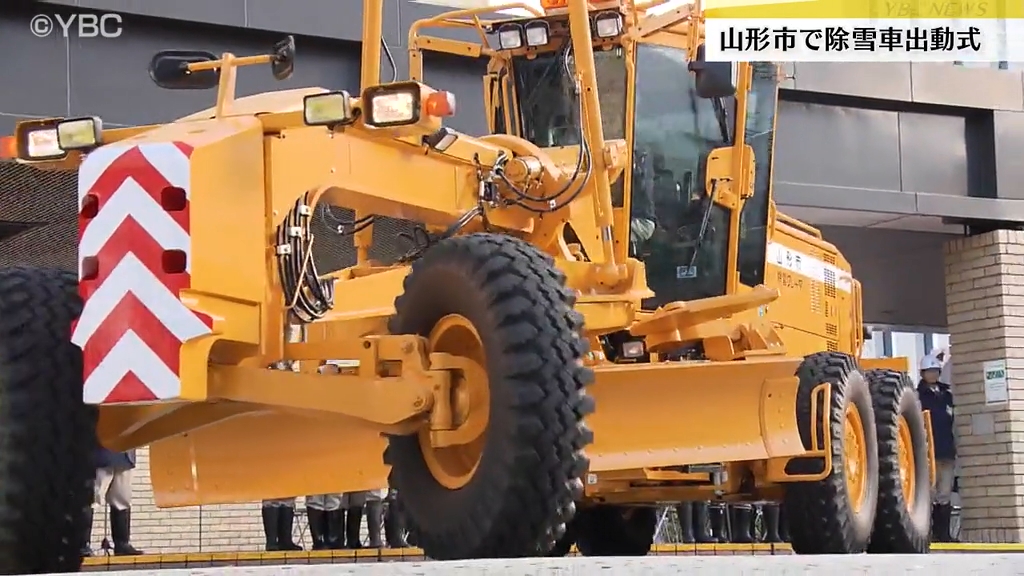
(512, 373)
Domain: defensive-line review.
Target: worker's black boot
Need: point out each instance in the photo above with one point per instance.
(684, 512)
(941, 521)
(719, 528)
(121, 532)
(953, 533)
(353, 527)
(783, 524)
(87, 536)
(336, 529)
(742, 519)
(702, 524)
(374, 522)
(317, 520)
(286, 521)
(394, 526)
(937, 523)
(771, 524)
(271, 521)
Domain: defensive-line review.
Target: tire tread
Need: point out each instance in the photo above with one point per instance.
(531, 498)
(47, 433)
(821, 520)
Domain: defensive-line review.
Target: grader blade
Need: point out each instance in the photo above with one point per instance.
(673, 414)
(266, 455)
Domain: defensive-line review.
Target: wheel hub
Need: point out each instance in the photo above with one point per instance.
(908, 472)
(855, 456)
(453, 466)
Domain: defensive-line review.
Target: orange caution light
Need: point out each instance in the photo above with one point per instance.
(8, 147)
(553, 4)
(440, 104)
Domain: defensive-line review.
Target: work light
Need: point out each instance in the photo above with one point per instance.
(510, 36)
(79, 133)
(404, 103)
(536, 33)
(42, 145)
(608, 24)
(327, 109)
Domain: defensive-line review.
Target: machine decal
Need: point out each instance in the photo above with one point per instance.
(134, 260)
(807, 266)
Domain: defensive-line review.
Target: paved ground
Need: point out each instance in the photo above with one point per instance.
(958, 564)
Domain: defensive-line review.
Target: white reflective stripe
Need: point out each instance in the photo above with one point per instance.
(131, 354)
(131, 276)
(808, 266)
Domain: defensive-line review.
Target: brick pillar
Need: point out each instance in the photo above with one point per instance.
(985, 313)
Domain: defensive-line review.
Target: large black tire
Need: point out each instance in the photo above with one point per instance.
(823, 518)
(607, 530)
(48, 434)
(900, 528)
(530, 472)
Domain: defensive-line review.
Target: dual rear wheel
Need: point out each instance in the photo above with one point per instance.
(877, 497)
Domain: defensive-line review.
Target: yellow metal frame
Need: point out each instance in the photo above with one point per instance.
(234, 415)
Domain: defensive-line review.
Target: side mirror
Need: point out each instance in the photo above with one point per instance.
(169, 69)
(283, 63)
(712, 79)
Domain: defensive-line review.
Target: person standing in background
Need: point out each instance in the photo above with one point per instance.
(394, 522)
(355, 503)
(323, 512)
(278, 521)
(937, 398)
(113, 488)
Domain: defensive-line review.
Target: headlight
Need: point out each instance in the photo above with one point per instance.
(327, 109)
(633, 349)
(394, 109)
(404, 103)
(510, 36)
(79, 133)
(41, 145)
(608, 24)
(536, 33)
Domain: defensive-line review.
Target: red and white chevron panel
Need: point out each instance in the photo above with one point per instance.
(134, 253)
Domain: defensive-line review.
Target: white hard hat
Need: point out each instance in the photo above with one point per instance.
(930, 362)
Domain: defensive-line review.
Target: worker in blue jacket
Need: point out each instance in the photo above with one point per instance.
(113, 488)
(937, 398)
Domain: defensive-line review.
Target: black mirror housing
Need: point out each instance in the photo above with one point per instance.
(283, 63)
(712, 79)
(169, 69)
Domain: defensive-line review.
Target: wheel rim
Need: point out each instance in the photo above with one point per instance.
(908, 473)
(454, 466)
(855, 456)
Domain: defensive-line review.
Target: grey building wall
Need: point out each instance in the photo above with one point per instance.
(924, 139)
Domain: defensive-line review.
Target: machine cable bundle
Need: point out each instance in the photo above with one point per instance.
(308, 297)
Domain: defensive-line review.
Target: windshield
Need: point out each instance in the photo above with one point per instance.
(549, 106)
(760, 134)
(680, 234)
